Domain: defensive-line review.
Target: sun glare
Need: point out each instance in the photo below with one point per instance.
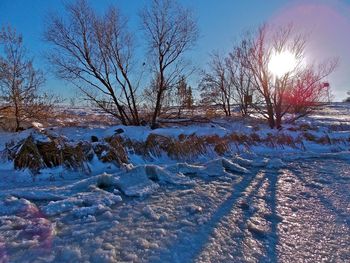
(282, 63)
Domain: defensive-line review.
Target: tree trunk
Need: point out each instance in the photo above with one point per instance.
(228, 107)
(156, 110)
(17, 114)
(271, 118)
(17, 125)
(278, 121)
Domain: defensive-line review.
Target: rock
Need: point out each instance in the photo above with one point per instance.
(119, 131)
(244, 205)
(156, 126)
(94, 138)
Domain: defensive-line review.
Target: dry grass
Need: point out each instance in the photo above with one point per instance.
(222, 148)
(50, 153)
(309, 137)
(304, 127)
(28, 156)
(324, 140)
(185, 148)
(255, 138)
(38, 155)
(115, 152)
(189, 148)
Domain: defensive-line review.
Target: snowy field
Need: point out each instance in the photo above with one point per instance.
(256, 203)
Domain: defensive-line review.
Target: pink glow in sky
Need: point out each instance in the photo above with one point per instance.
(328, 26)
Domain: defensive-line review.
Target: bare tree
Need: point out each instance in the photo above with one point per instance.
(240, 77)
(20, 82)
(276, 89)
(96, 54)
(216, 86)
(309, 90)
(150, 98)
(170, 31)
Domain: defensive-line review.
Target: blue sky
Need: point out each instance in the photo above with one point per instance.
(220, 22)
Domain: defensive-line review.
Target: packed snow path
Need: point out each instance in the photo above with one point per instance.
(298, 212)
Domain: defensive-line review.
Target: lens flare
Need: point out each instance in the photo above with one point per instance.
(281, 63)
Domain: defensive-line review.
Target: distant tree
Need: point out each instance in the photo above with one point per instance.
(95, 52)
(20, 82)
(348, 98)
(183, 95)
(170, 30)
(215, 86)
(189, 102)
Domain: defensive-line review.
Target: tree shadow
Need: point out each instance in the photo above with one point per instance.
(200, 238)
(343, 216)
(272, 252)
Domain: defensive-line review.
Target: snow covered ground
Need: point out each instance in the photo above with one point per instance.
(259, 204)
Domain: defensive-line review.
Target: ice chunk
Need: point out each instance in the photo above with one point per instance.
(59, 207)
(242, 161)
(219, 167)
(233, 167)
(105, 180)
(91, 203)
(82, 212)
(212, 169)
(161, 175)
(135, 182)
(184, 168)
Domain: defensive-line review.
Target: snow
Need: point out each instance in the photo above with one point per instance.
(257, 203)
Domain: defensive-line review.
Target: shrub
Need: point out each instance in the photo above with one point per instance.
(255, 137)
(28, 156)
(221, 148)
(324, 140)
(309, 136)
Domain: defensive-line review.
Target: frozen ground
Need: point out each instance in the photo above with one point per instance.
(291, 211)
(263, 205)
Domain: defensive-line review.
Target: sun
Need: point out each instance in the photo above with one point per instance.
(282, 63)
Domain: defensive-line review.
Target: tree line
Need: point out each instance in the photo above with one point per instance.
(97, 53)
